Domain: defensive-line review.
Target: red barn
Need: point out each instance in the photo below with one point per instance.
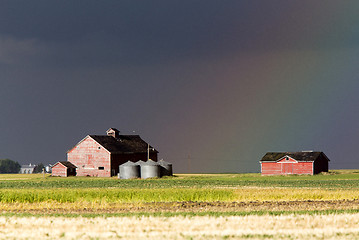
(283, 163)
(63, 169)
(101, 155)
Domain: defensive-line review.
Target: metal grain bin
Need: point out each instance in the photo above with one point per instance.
(139, 162)
(129, 170)
(150, 169)
(165, 168)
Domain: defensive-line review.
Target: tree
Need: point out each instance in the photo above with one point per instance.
(38, 168)
(9, 166)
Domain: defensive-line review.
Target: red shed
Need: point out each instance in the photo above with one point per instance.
(282, 163)
(101, 155)
(63, 169)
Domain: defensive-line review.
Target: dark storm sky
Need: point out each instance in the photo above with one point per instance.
(222, 82)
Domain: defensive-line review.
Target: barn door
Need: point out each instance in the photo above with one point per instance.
(288, 168)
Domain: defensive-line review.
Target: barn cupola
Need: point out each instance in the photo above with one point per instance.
(113, 132)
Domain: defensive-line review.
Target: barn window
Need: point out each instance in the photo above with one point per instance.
(101, 168)
(287, 158)
(99, 147)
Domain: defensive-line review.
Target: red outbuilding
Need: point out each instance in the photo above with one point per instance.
(283, 163)
(101, 155)
(63, 169)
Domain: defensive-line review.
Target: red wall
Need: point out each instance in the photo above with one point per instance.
(282, 168)
(88, 156)
(271, 168)
(303, 168)
(59, 170)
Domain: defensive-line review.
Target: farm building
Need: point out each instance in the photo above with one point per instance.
(282, 163)
(27, 169)
(63, 169)
(101, 155)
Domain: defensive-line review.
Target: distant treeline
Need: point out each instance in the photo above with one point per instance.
(9, 166)
(39, 167)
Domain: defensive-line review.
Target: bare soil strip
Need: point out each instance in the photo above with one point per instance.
(179, 207)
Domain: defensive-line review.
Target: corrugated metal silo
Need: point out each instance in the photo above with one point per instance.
(150, 169)
(129, 170)
(140, 162)
(165, 168)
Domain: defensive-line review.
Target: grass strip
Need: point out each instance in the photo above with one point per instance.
(114, 195)
(338, 179)
(289, 194)
(100, 195)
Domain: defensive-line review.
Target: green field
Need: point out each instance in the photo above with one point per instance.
(35, 188)
(337, 179)
(201, 206)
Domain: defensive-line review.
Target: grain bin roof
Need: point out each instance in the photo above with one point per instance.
(150, 163)
(129, 163)
(140, 162)
(123, 144)
(299, 156)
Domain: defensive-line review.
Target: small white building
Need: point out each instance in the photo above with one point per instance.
(27, 169)
(48, 168)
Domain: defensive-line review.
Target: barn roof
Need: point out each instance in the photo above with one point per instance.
(28, 166)
(122, 144)
(305, 156)
(66, 164)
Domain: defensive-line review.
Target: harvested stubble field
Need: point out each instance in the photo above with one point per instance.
(218, 205)
(344, 226)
